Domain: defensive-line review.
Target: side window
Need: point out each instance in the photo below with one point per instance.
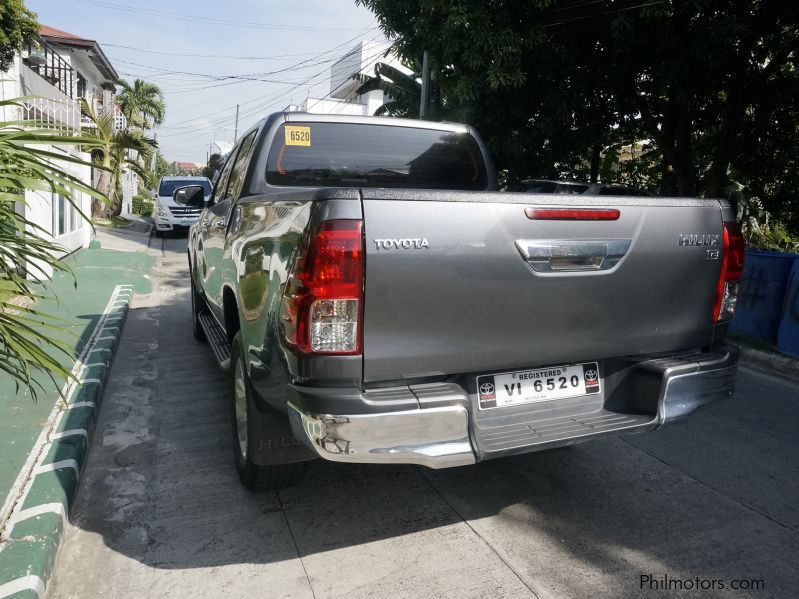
(239, 171)
(222, 181)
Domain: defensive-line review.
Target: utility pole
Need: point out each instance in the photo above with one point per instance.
(153, 162)
(236, 131)
(423, 101)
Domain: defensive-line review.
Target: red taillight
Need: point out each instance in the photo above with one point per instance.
(572, 213)
(732, 265)
(323, 300)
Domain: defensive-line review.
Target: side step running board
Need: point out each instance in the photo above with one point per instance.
(216, 339)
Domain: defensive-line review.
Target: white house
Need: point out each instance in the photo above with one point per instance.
(58, 72)
(343, 97)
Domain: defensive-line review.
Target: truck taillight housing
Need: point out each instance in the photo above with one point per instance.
(732, 265)
(323, 300)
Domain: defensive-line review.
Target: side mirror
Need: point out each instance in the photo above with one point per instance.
(191, 195)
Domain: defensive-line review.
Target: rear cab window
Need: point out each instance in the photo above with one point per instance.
(366, 155)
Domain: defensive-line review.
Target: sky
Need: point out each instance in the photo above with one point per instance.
(207, 57)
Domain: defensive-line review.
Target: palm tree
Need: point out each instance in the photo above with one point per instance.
(27, 342)
(142, 103)
(116, 149)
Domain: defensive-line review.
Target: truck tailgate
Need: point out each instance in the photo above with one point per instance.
(449, 287)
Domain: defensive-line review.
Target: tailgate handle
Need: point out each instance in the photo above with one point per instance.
(558, 255)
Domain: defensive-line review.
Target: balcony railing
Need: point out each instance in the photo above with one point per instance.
(53, 113)
(44, 103)
(44, 60)
(120, 122)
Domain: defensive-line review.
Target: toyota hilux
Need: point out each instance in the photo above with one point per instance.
(375, 299)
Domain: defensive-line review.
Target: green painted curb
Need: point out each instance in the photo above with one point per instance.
(30, 539)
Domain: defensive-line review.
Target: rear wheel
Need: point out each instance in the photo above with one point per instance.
(196, 304)
(253, 476)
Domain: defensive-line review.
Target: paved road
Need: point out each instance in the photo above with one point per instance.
(160, 512)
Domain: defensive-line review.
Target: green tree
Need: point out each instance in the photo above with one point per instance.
(554, 85)
(18, 27)
(161, 166)
(214, 164)
(142, 103)
(115, 150)
(27, 343)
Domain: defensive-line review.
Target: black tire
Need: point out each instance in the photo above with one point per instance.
(253, 476)
(196, 303)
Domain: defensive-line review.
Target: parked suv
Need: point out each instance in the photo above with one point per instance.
(171, 215)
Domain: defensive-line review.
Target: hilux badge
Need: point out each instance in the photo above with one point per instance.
(698, 240)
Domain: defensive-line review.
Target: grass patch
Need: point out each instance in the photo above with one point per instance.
(114, 222)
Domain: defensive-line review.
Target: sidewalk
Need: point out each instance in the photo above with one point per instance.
(93, 314)
(134, 238)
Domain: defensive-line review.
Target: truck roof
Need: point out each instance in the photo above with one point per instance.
(308, 117)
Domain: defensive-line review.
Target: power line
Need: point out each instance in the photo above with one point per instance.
(320, 54)
(216, 56)
(208, 20)
(195, 132)
(192, 131)
(192, 79)
(246, 76)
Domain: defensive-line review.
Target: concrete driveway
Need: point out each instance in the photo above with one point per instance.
(160, 512)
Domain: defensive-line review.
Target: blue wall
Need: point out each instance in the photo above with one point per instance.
(768, 304)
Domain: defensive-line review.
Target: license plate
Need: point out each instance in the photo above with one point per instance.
(541, 384)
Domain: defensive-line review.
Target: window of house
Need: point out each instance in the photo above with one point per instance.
(60, 219)
(74, 217)
(81, 86)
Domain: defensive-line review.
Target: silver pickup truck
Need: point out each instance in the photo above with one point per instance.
(376, 299)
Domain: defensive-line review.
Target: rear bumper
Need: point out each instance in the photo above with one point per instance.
(436, 437)
(430, 424)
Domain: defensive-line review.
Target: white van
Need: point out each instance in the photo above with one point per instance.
(168, 214)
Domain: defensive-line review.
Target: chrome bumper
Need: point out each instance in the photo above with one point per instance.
(435, 437)
(685, 389)
(435, 433)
